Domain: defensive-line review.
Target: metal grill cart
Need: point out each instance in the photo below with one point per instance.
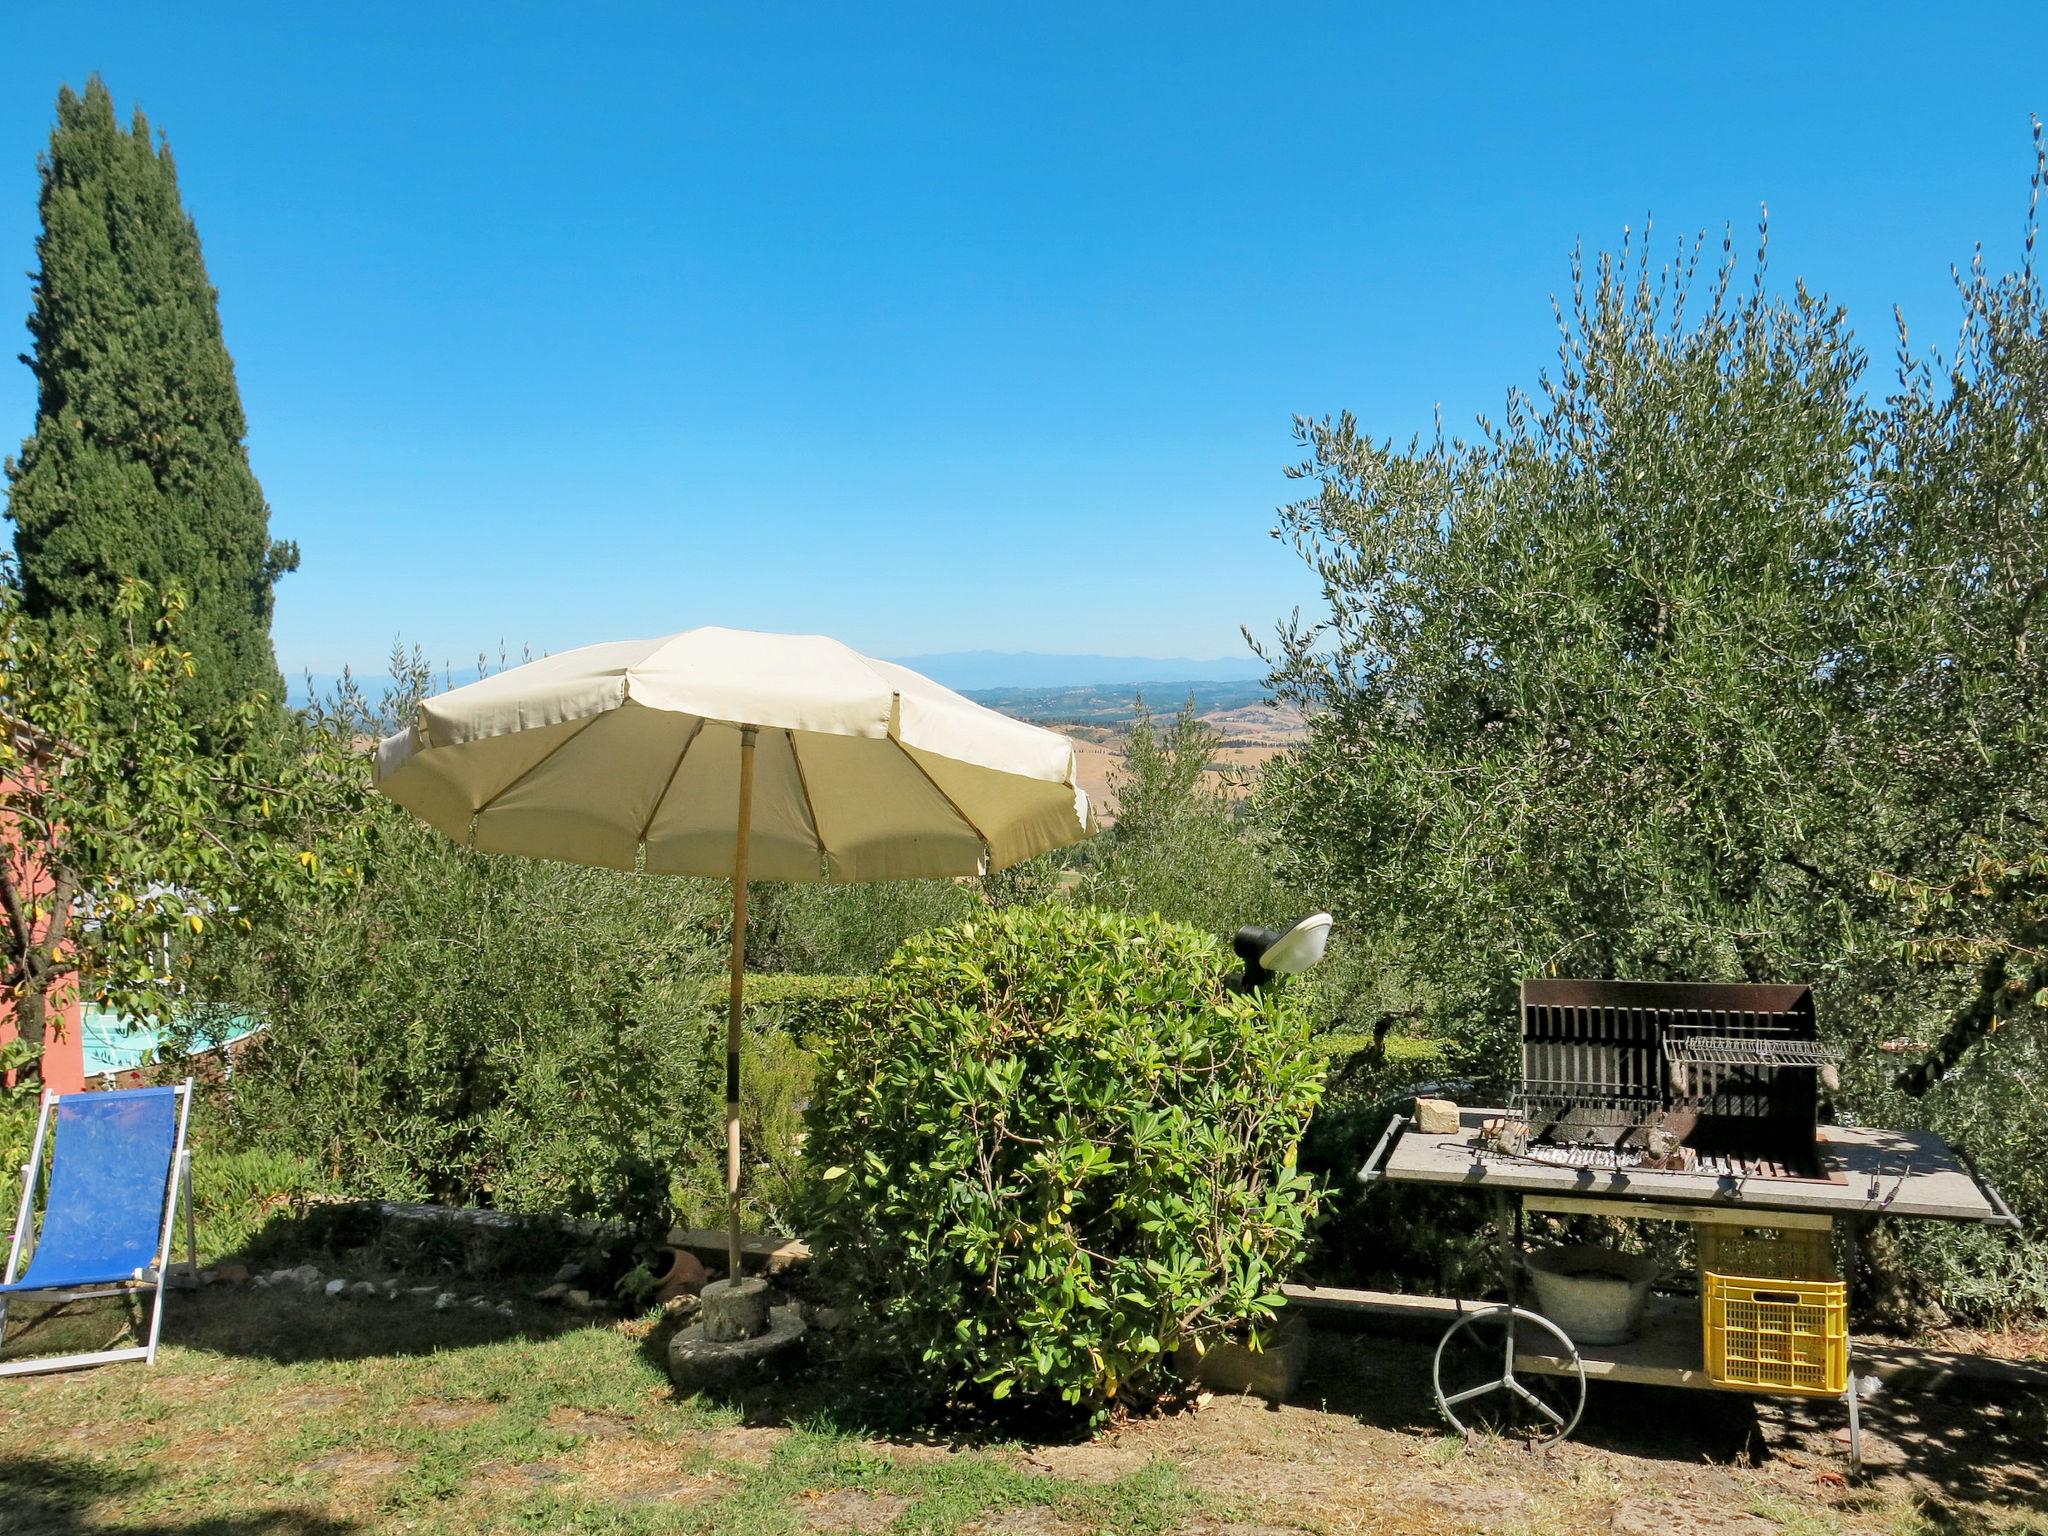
(1649, 1101)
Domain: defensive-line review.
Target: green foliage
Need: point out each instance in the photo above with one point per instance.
(134, 840)
(18, 1106)
(473, 1028)
(776, 1075)
(137, 468)
(1178, 848)
(800, 1005)
(237, 1191)
(1052, 1147)
(1569, 706)
(848, 929)
(1703, 663)
(1959, 696)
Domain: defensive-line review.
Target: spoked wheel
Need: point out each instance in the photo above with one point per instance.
(1480, 1392)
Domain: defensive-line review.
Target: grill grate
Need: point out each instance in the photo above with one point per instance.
(1758, 1050)
(1623, 1159)
(1731, 1069)
(1567, 1112)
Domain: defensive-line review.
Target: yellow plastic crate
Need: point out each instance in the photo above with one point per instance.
(1774, 1335)
(1774, 1253)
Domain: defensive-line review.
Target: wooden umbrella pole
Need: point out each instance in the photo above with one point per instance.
(733, 1004)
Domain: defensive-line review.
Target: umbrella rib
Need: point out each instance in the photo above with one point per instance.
(987, 847)
(500, 794)
(803, 783)
(669, 783)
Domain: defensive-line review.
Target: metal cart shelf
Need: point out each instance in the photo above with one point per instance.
(1863, 1174)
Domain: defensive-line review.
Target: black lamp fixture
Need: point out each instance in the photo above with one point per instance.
(1270, 952)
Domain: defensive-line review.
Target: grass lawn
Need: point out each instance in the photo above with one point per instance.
(279, 1411)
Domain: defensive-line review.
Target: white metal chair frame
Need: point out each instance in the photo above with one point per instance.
(179, 1184)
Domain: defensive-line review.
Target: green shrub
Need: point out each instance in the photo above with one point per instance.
(236, 1193)
(800, 1003)
(1051, 1147)
(847, 928)
(19, 1101)
(1180, 846)
(480, 1030)
(776, 1073)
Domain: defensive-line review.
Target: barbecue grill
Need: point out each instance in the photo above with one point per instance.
(1660, 1101)
(1730, 1070)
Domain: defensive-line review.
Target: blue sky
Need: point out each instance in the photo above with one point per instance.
(951, 327)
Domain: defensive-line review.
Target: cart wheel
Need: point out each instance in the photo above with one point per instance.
(1478, 1391)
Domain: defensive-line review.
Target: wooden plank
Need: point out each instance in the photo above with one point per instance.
(772, 1254)
(1636, 1209)
(1667, 1351)
(1342, 1304)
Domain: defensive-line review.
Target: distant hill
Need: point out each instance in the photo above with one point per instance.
(1117, 703)
(971, 671)
(1097, 718)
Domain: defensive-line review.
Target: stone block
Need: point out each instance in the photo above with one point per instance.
(1436, 1117)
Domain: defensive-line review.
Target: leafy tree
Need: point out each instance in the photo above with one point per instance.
(137, 468)
(1178, 847)
(124, 837)
(1571, 703)
(475, 1028)
(1709, 663)
(1958, 706)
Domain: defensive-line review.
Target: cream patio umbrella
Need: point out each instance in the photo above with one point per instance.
(733, 754)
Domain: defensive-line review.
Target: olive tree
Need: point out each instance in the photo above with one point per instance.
(1709, 660)
(1572, 696)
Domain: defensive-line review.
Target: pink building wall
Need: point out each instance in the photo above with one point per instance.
(63, 1063)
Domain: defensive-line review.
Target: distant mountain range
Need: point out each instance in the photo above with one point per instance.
(977, 672)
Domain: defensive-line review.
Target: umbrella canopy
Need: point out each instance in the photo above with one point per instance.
(732, 754)
(864, 770)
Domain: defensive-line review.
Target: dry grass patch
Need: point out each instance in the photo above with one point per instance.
(850, 1509)
(581, 1424)
(634, 1470)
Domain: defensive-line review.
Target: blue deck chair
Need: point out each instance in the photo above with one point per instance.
(117, 1169)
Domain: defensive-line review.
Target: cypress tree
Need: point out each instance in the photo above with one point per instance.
(137, 467)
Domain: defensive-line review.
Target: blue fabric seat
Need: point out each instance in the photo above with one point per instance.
(116, 1161)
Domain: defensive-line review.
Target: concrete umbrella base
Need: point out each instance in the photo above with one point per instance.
(699, 1364)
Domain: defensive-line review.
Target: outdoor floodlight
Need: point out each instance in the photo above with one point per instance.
(1270, 952)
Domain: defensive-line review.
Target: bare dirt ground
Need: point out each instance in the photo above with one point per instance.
(1361, 1450)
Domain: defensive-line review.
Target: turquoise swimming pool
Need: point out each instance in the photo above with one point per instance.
(114, 1044)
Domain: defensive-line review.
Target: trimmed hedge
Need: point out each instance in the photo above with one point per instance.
(803, 1003)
